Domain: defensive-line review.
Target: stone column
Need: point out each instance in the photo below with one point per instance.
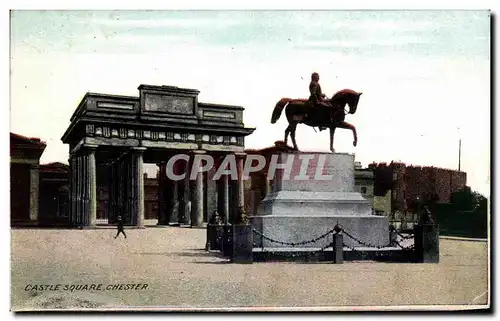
(72, 189)
(162, 210)
(225, 197)
(78, 207)
(34, 191)
(112, 191)
(268, 185)
(85, 189)
(173, 195)
(91, 186)
(186, 195)
(130, 188)
(138, 175)
(240, 158)
(119, 198)
(210, 193)
(197, 194)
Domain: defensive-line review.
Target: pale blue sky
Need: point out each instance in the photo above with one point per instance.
(423, 73)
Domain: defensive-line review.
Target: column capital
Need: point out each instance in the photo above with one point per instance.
(240, 154)
(138, 149)
(35, 166)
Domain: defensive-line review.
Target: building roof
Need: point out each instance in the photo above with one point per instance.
(20, 139)
(54, 167)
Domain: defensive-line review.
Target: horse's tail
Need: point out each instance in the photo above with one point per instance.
(278, 109)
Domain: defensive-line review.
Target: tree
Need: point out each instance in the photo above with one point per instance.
(468, 200)
(480, 202)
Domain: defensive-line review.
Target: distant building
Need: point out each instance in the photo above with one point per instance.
(412, 184)
(363, 182)
(39, 193)
(54, 195)
(25, 153)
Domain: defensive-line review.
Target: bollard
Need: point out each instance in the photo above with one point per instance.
(219, 237)
(242, 244)
(338, 249)
(426, 243)
(227, 240)
(393, 236)
(213, 237)
(209, 243)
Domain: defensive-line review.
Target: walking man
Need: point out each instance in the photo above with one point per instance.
(120, 227)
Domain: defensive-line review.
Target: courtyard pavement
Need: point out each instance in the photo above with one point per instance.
(169, 268)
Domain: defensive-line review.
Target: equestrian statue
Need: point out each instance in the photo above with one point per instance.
(318, 111)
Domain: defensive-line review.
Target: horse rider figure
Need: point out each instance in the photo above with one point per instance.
(317, 99)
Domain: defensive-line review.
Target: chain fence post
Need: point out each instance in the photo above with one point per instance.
(393, 235)
(227, 245)
(427, 243)
(338, 245)
(338, 249)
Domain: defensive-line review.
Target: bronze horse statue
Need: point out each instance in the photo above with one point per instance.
(300, 111)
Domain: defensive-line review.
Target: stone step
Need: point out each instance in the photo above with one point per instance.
(316, 249)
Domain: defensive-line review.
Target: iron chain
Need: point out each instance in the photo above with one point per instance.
(363, 243)
(292, 243)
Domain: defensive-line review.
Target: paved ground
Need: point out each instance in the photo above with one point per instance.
(178, 273)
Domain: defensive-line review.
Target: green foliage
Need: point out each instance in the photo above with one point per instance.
(466, 215)
(468, 200)
(215, 219)
(242, 217)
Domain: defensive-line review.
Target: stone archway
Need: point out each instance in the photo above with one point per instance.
(121, 133)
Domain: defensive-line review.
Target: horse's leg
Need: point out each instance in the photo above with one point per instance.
(332, 133)
(294, 127)
(287, 132)
(346, 125)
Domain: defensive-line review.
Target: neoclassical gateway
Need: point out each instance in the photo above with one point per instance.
(110, 138)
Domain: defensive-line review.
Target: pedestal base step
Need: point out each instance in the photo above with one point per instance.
(292, 254)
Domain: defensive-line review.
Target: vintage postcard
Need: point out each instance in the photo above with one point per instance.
(256, 160)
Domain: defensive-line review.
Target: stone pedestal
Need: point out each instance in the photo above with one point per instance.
(242, 244)
(427, 243)
(314, 193)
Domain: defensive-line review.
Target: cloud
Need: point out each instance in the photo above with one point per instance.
(165, 22)
(380, 25)
(366, 42)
